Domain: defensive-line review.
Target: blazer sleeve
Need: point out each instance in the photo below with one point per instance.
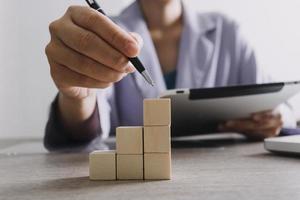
(97, 127)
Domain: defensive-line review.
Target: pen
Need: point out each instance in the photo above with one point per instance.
(135, 61)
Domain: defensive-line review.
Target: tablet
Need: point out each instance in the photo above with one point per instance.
(195, 110)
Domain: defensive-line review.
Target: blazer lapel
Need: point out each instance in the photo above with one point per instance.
(196, 50)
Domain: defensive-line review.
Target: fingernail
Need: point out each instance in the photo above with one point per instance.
(131, 47)
(130, 69)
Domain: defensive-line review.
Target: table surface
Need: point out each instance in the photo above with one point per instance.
(202, 169)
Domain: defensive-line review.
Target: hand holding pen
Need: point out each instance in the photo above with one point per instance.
(88, 50)
(134, 60)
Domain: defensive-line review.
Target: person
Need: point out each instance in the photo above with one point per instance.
(182, 48)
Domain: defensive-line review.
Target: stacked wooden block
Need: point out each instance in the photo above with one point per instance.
(141, 152)
(157, 145)
(129, 141)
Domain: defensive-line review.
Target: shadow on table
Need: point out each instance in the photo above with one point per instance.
(208, 141)
(68, 185)
(276, 155)
(82, 183)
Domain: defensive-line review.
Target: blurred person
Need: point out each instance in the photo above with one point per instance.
(182, 48)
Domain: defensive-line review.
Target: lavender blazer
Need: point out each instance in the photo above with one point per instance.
(212, 53)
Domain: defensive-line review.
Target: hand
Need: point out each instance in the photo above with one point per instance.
(257, 127)
(87, 50)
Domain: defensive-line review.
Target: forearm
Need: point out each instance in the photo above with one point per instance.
(75, 111)
(60, 136)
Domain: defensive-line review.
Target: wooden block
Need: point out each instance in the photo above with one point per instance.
(157, 112)
(157, 166)
(102, 165)
(130, 167)
(129, 140)
(157, 139)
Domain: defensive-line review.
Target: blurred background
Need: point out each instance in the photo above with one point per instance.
(26, 89)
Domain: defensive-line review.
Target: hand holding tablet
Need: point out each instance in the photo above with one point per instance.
(198, 110)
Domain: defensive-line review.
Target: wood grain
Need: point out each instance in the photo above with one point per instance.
(231, 171)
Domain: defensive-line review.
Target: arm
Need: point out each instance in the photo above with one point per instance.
(259, 125)
(80, 133)
(87, 51)
(58, 135)
(251, 73)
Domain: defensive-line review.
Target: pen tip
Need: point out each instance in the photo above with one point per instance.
(152, 83)
(148, 78)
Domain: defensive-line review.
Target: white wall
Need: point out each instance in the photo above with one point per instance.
(26, 89)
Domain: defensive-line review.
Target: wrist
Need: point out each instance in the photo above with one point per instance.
(76, 110)
(76, 101)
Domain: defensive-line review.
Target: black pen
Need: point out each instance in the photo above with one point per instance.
(135, 61)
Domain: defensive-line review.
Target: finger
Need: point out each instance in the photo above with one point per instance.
(89, 44)
(272, 132)
(264, 114)
(262, 134)
(251, 130)
(270, 124)
(104, 28)
(138, 39)
(250, 125)
(264, 119)
(64, 77)
(79, 63)
(239, 125)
